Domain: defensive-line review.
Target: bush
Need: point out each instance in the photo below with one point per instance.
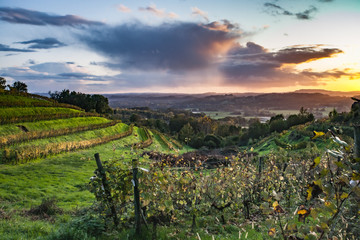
(86, 227)
(46, 209)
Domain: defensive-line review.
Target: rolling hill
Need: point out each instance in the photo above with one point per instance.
(47, 152)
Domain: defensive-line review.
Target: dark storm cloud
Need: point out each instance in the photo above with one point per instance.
(300, 54)
(76, 75)
(25, 16)
(170, 46)
(254, 64)
(276, 10)
(45, 43)
(292, 55)
(6, 48)
(335, 73)
(307, 14)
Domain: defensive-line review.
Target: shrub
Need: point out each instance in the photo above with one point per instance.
(87, 227)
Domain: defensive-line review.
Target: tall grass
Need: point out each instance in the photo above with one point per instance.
(21, 153)
(8, 99)
(47, 125)
(26, 136)
(30, 114)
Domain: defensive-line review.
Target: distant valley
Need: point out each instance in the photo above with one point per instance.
(319, 102)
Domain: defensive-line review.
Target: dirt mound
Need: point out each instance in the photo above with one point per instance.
(190, 159)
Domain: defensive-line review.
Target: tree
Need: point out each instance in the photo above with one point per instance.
(101, 103)
(186, 132)
(2, 83)
(19, 86)
(258, 129)
(277, 125)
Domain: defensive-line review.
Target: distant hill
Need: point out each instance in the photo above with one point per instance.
(233, 102)
(330, 93)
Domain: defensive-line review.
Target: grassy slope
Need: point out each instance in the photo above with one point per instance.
(118, 128)
(22, 100)
(32, 111)
(64, 177)
(8, 129)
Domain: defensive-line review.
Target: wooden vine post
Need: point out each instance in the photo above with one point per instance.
(107, 189)
(260, 165)
(135, 182)
(357, 141)
(355, 117)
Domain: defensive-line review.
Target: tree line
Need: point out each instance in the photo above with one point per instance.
(198, 130)
(90, 103)
(15, 87)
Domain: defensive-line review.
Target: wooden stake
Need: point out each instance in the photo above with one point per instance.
(136, 198)
(106, 189)
(357, 141)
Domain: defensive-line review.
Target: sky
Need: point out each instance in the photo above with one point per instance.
(181, 46)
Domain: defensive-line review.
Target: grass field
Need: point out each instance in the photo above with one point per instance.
(87, 135)
(16, 100)
(33, 111)
(48, 125)
(219, 114)
(63, 177)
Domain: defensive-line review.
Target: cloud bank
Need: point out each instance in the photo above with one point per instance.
(171, 46)
(25, 16)
(45, 43)
(198, 12)
(6, 48)
(277, 10)
(254, 65)
(158, 12)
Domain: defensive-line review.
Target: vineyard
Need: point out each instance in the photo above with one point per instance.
(314, 195)
(45, 152)
(289, 185)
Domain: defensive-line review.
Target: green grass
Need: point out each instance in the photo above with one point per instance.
(87, 135)
(20, 228)
(22, 101)
(62, 176)
(208, 229)
(142, 134)
(33, 111)
(161, 142)
(47, 125)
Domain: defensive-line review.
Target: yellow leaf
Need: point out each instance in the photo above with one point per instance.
(271, 232)
(275, 204)
(355, 176)
(324, 226)
(316, 162)
(302, 212)
(344, 195)
(309, 195)
(317, 134)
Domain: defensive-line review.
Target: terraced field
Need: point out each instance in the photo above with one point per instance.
(48, 153)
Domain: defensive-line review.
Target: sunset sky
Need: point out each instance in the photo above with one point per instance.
(183, 46)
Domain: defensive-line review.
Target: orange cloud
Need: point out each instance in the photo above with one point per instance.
(158, 12)
(123, 8)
